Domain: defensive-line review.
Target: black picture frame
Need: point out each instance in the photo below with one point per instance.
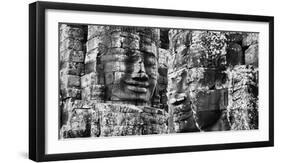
(37, 81)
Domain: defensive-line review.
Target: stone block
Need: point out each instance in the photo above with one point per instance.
(93, 43)
(119, 124)
(151, 48)
(74, 93)
(234, 54)
(71, 43)
(72, 68)
(131, 41)
(89, 79)
(109, 78)
(212, 100)
(90, 67)
(162, 80)
(78, 124)
(93, 92)
(101, 42)
(86, 93)
(163, 71)
(115, 54)
(252, 55)
(149, 35)
(95, 30)
(72, 56)
(67, 31)
(67, 81)
(163, 57)
(105, 119)
(250, 39)
(243, 97)
(123, 120)
(91, 56)
(246, 119)
(234, 36)
(116, 41)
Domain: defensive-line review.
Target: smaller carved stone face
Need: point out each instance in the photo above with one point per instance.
(139, 79)
(181, 104)
(192, 108)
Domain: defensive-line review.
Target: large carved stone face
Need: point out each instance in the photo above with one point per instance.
(137, 83)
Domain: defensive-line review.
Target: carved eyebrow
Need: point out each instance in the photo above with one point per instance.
(151, 60)
(133, 54)
(147, 54)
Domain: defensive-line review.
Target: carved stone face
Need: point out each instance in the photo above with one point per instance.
(137, 83)
(181, 103)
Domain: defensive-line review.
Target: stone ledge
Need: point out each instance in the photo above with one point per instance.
(105, 119)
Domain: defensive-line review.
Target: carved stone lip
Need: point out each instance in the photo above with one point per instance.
(181, 98)
(137, 83)
(137, 89)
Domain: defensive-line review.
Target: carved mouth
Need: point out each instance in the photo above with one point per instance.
(178, 100)
(137, 89)
(136, 86)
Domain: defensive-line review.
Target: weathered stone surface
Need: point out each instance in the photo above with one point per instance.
(66, 108)
(196, 80)
(90, 67)
(93, 92)
(163, 61)
(118, 123)
(72, 56)
(115, 67)
(178, 38)
(215, 44)
(163, 70)
(69, 81)
(129, 63)
(70, 93)
(234, 36)
(250, 39)
(234, 54)
(151, 48)
(91, 56)
(72, 68)
(243, 98)
(198, 48)
(197, 109)
(67, 31)
(114, 57)
(209, 106)
(127, 85)
(113, 77)
(89, 79)
(71, 43)
(114, 120)
(131, 41)
(162, 80)
(95, 30)
(78, 124)
(94, 43)
(252, 55)
(212, 100)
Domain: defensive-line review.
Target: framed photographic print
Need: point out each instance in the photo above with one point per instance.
(110, 81)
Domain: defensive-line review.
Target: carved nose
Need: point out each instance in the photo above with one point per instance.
(140, 77)
(139, 73)
(141, 67)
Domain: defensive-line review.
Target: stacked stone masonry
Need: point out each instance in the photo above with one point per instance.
(119, 81)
